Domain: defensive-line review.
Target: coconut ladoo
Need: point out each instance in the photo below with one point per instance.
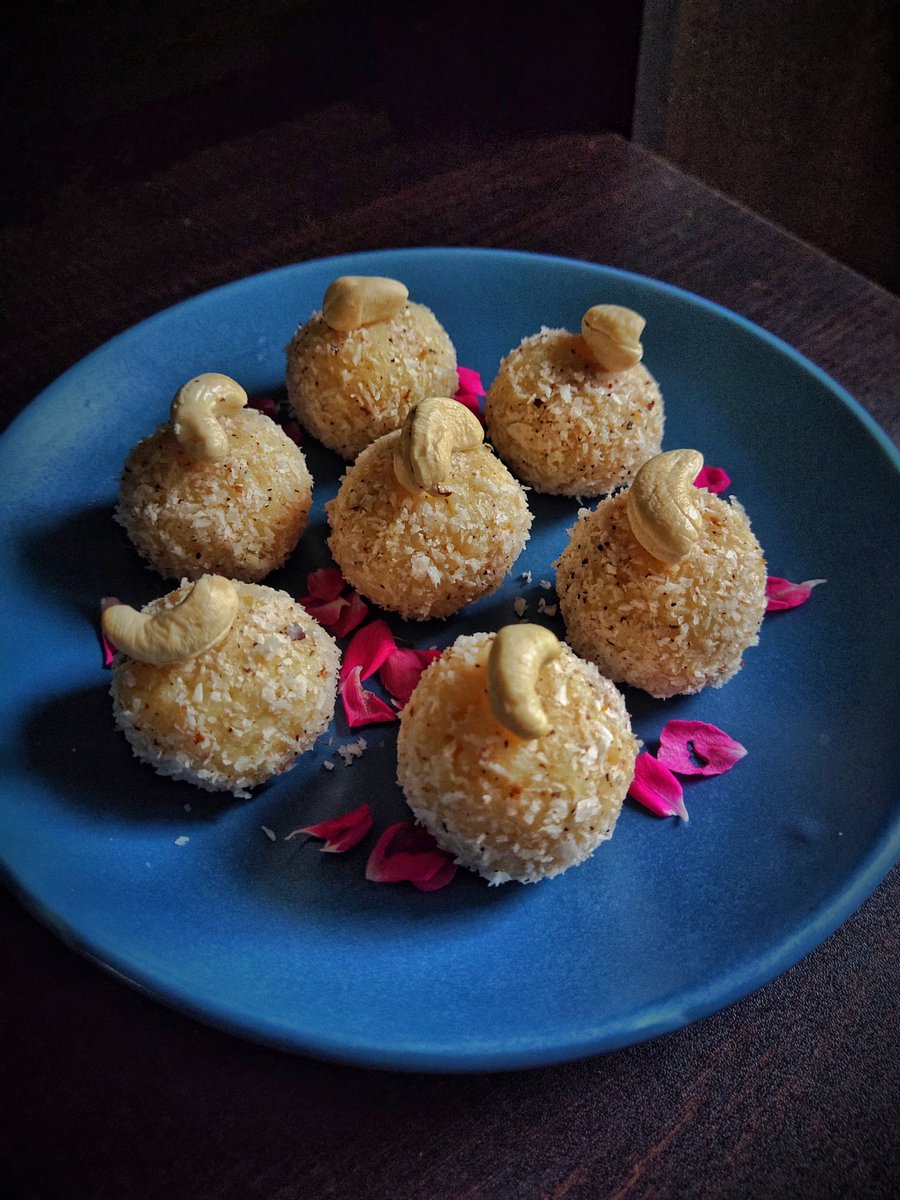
(219, 488)
(576, 414)
(221, 683)
(663, 585)
(357, 367)
(428, 519)
(515, 754)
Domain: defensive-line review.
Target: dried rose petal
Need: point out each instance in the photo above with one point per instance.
(368, 649)
(407, 853)
(402, 670)
(109, 650)
(325, 584)
(781, 593)
(361, 706)
(341, 833)
(354, 614)
(655, 787)
(717, 751)
(470, 381)
(714, 479)
(264, 404)
(293, 430)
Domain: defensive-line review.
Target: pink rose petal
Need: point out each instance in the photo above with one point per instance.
(341, 833)
(470, 381)
(714, 479)
(402, 670)
(781, 593)
(655, 787)
(109, 650)
(354, 614)
(264, 404)
(293, 430)
(407, 853)
(325, 584)
(681, 742)
(368, 649)
(361, 706)
(326, 612)
(472, 403)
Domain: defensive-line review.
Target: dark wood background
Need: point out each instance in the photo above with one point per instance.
(790, 108)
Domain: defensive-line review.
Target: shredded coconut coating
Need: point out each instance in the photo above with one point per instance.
(348, 389)
(240, 517)
(567, 427)
(667, 629)
(422, 555)
(241, 712)
(505, 807)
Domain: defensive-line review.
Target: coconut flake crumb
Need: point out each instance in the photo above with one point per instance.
(352, 750)
(328, 765)
(520, 604)
(549, 610)
(182, 841)
(545, 584)
(525, 577)
(270, 833)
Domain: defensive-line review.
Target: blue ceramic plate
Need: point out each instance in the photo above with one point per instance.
(666, 923)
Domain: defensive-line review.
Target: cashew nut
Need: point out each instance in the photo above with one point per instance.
(432, 431)
(661, 504)
(196, 624)
(195, 412)
(514, 663)
(357, 300)
(613, 336)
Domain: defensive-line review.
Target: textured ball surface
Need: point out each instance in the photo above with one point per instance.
(422, 555)
(668, 629)
(240, 517)
(564, 425)
(348, 389)
(239, 713)
(503, 806)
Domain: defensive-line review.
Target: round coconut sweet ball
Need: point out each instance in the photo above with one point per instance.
(510, 805)
(356, 368)
(428, 519)
(221, 489)
(241, 681)
(663, 586)
(576, 414)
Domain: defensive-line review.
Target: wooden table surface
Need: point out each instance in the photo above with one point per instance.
(791, 1092)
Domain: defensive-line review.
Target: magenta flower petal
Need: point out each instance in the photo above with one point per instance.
(472, 403)
(714, 479)
(470, 381)
(716, 750)
(293, 430)
(368, 649)
(109, 650)
(361, 706)
(264, 404)
(354, 614)
(655, 787)
(402, 670)
(326, 612)
(781, 593)
(325, 584)
(341, 833)
(406, 853)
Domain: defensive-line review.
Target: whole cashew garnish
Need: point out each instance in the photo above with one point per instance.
(661, 504)
(432, 431)
(195, 412)
(201, 620)
(357, 300)
(613, 336)
(514, 663)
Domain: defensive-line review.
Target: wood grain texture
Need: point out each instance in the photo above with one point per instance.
(110, 1096)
